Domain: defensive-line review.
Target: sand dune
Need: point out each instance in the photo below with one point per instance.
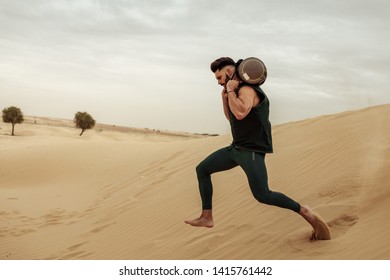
(115, 195)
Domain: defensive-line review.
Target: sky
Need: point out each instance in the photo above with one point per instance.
(146, 64)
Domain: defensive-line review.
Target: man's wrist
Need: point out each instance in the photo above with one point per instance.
(229, 90)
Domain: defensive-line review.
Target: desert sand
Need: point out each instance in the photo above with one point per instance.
(125, 195)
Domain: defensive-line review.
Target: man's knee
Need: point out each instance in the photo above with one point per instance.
(265, 198)
(200, 169)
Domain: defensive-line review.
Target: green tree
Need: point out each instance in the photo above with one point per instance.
(84, 121)
(12, 115)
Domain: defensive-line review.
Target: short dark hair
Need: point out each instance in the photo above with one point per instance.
(219, 63)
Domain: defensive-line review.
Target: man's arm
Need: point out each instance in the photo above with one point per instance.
(225, 104)
(242, 104)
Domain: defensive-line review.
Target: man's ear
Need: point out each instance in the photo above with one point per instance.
(230, 72)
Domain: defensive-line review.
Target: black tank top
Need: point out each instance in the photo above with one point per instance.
(253, 133)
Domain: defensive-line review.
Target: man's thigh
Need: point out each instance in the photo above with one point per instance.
(220, 160)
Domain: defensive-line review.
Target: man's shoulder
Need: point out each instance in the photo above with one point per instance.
(249, 87)
(253, 90)
(246, 89)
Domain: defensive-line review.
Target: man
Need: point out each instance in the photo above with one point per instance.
(247, 109)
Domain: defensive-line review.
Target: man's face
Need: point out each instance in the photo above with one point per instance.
(221, 76)
(224, 75)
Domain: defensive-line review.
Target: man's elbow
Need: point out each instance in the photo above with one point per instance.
(240, 115)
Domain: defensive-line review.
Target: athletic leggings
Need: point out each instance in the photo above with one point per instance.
(253, 164)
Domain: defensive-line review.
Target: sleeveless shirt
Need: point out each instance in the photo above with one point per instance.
(253, 133)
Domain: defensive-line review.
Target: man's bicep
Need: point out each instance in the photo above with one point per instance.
(247, 96)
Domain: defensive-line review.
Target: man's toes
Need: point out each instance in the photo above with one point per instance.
(314, 236)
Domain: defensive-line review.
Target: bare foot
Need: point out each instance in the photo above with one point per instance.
(308, 215)
(205, 220)
(320, 228)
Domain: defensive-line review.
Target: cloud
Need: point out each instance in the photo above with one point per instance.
(136, 57)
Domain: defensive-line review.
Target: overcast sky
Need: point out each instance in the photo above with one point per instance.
(146, 63)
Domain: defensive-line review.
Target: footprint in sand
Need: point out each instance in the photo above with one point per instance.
(341, 189)
(73, 252)
(340, 225)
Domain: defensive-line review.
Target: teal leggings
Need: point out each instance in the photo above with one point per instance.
(254, 167)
